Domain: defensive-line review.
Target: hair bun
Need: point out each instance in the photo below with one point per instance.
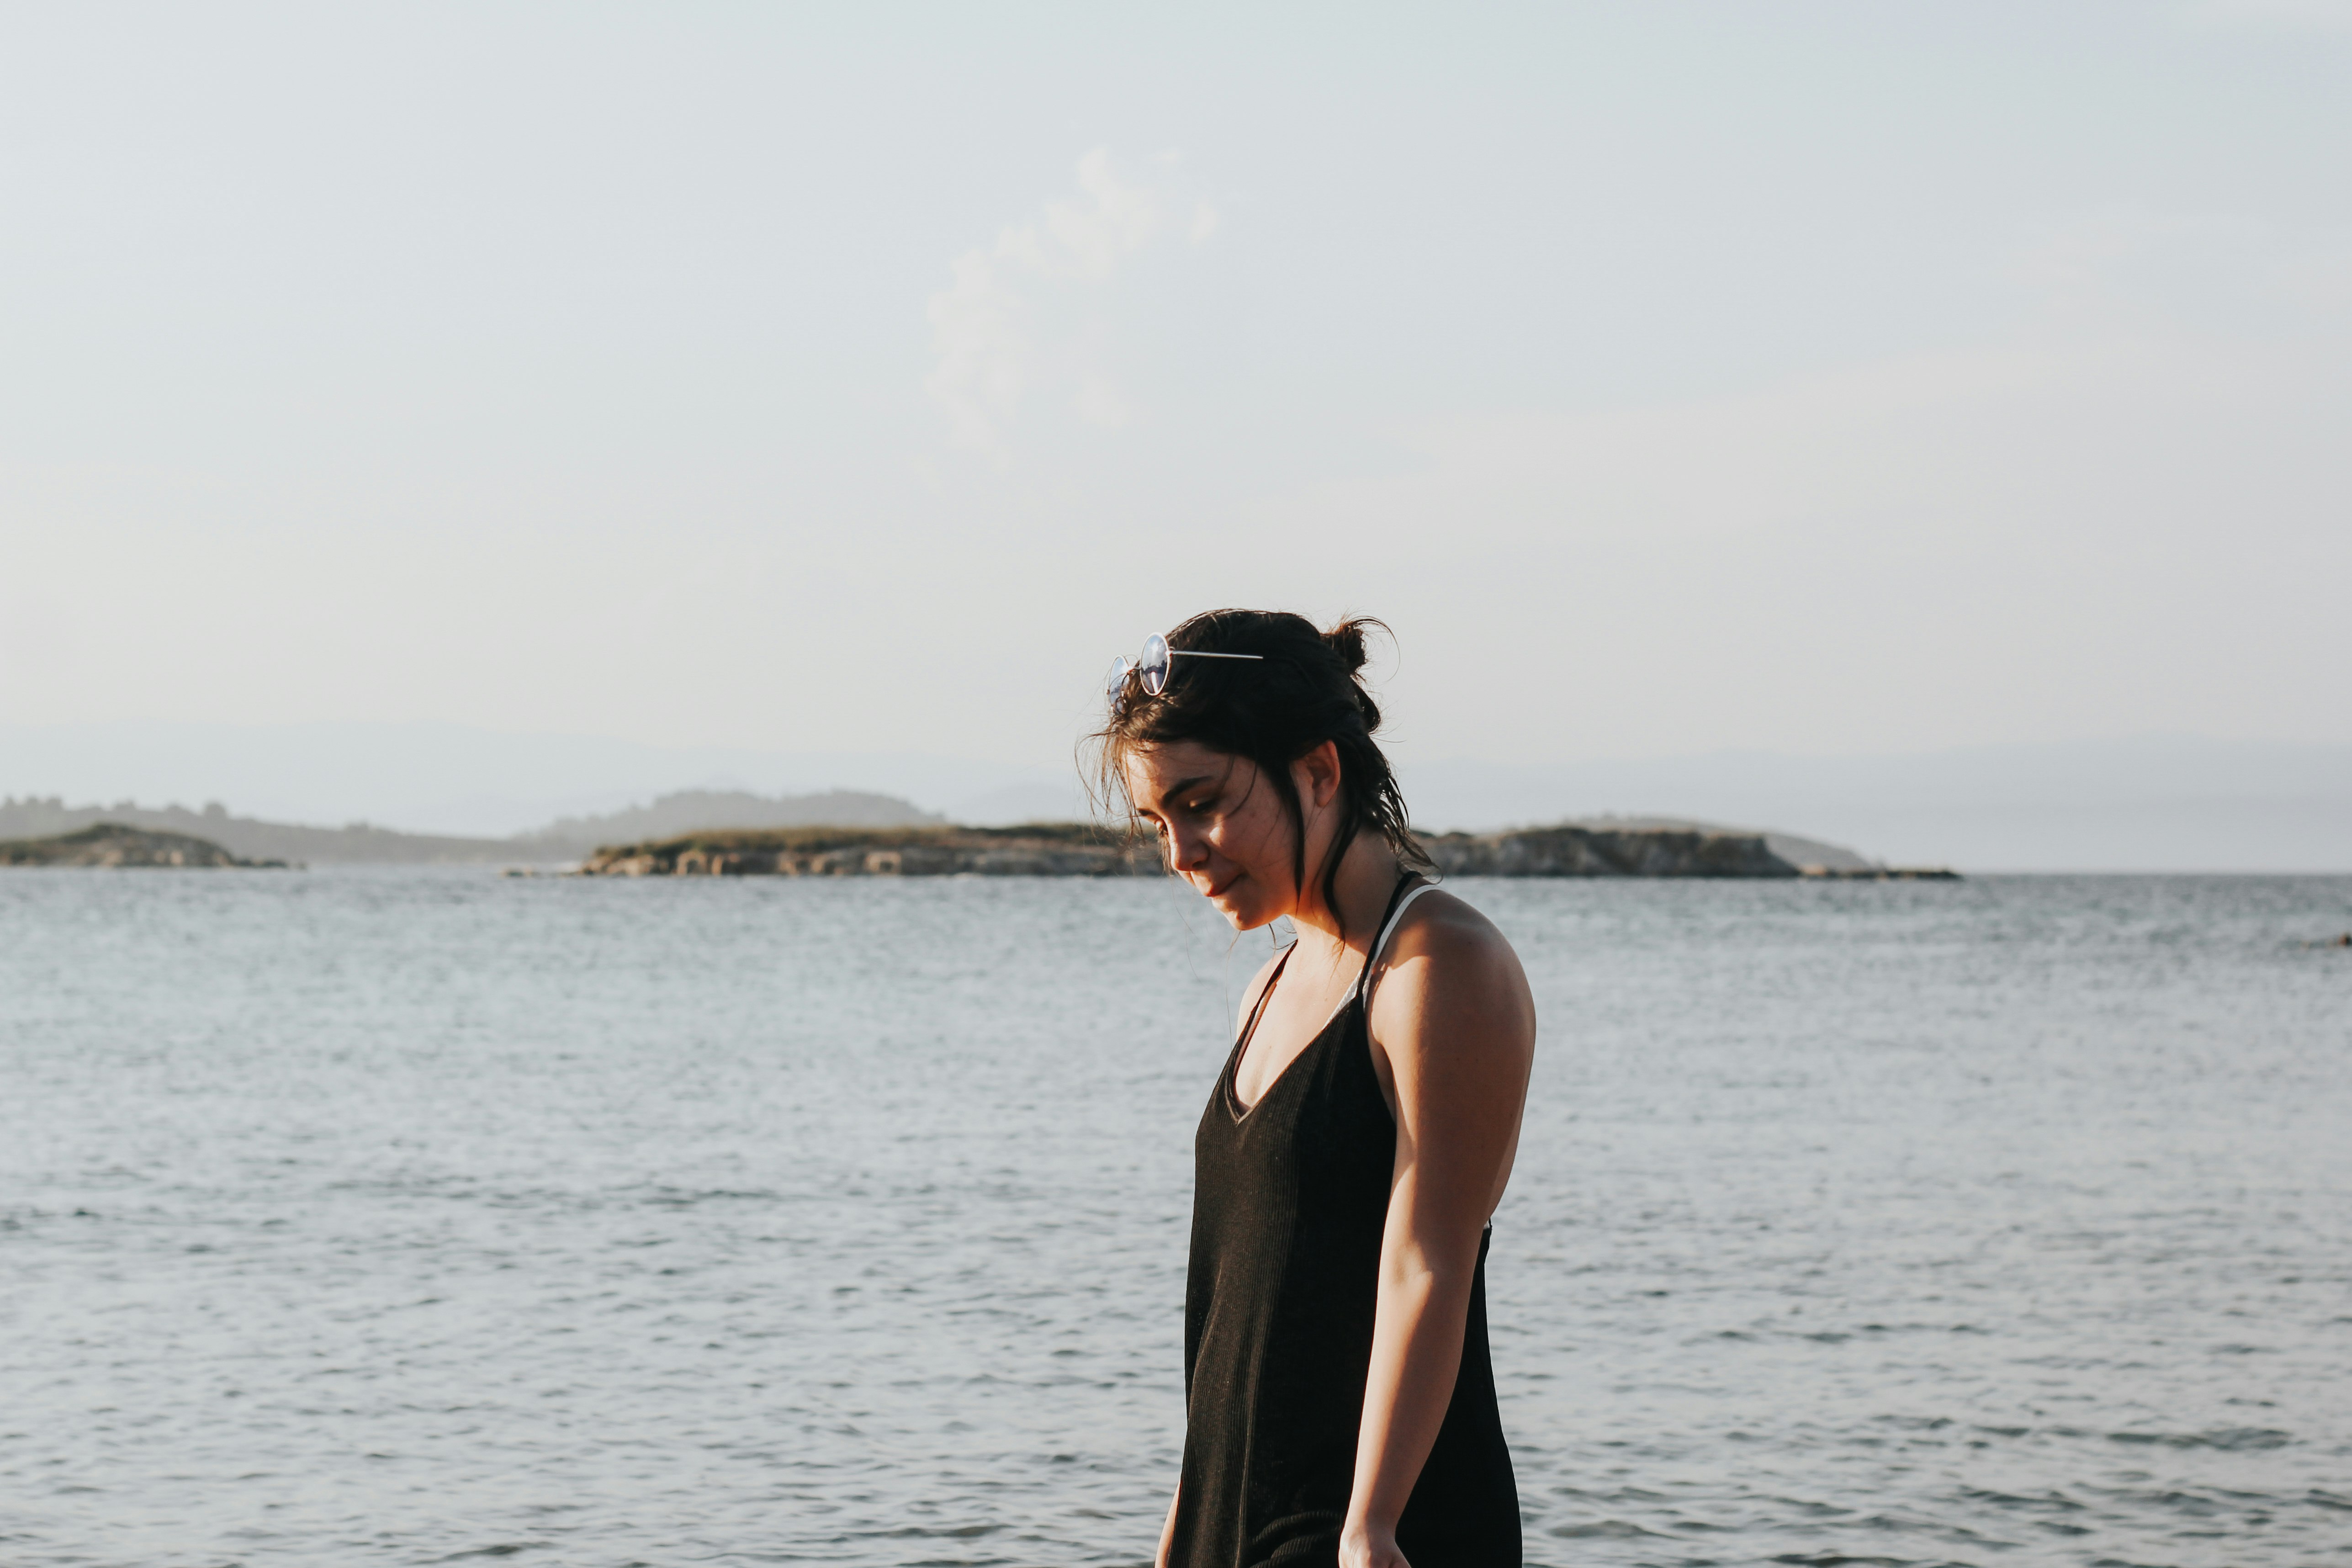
(1347, 640)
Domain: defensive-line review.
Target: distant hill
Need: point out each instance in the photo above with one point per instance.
(251, 839)
(701, 810)
(570, 839)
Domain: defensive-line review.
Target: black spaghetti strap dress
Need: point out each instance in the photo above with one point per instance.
(1291, 1197)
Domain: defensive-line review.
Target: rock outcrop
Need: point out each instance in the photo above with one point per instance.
(1605, 852)
(111, 844)
(686, 812)
(1572, 851)
(1047, 849)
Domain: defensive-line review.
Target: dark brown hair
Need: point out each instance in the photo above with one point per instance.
(1305, 687)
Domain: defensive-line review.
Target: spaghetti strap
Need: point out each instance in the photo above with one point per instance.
(1363, 986)
(1249, 1026)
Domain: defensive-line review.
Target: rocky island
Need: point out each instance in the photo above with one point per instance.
(1040, 849)
(1079, 849)
(1606, 852)
(1575, 851)
(112, 845)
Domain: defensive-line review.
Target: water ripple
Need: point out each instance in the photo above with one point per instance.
(429, 1217)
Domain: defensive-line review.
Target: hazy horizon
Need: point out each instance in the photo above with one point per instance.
(859, 381)
(2149, 802)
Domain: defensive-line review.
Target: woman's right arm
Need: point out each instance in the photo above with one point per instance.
(1168, 1531)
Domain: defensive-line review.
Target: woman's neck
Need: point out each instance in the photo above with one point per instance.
(1367, 878)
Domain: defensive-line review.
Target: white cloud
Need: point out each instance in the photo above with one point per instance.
(983, 352)
(989, 351)
(1088, 240)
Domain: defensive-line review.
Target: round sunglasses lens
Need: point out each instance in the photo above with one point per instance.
(1119, 669)
(1155, 665)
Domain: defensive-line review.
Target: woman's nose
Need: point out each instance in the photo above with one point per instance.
(1186, 850)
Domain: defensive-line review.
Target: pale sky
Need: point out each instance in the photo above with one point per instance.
(1824, 378)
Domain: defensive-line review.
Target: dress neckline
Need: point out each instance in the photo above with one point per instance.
(1229, 1082)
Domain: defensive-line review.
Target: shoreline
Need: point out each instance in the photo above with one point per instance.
(1080, 849)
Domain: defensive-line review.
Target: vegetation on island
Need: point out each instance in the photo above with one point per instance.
(1032, 849)
(112, 845)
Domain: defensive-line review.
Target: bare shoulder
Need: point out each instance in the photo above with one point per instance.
(1448, 962)
(1447, 943)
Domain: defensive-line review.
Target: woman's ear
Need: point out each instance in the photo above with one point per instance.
(1317, 774)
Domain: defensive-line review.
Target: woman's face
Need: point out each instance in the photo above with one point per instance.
(1222, 825)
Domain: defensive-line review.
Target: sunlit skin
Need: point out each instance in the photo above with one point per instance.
(1452, 1031)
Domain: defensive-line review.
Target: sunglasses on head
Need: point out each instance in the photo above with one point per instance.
(1151, 666)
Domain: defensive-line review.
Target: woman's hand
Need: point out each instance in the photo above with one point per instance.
(1366, 1545)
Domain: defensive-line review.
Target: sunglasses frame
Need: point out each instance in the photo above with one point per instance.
(1150, 667)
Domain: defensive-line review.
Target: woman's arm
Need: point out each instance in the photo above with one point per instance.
(1453, 1025)
(1168, 1530)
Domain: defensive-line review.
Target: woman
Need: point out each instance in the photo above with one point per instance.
(1341, 1404)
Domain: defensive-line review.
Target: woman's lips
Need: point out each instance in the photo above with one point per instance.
(1219, 890)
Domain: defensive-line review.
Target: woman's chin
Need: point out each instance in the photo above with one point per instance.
(1243, 912)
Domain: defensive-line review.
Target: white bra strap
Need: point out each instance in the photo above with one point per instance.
(1387, 931)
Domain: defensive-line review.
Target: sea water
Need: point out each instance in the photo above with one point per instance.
(359, 1217)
